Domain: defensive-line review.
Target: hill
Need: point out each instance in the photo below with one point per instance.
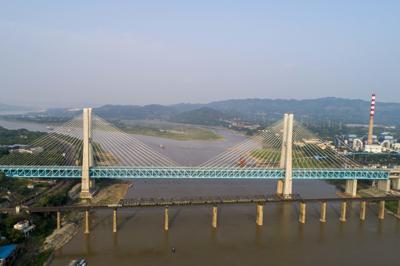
(251, 110)
(202, 116)
(6, 108)
(260, 110)
(323, 109)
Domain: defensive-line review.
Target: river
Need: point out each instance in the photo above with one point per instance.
(141, 240)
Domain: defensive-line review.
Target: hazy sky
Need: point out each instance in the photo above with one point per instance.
(139, 52)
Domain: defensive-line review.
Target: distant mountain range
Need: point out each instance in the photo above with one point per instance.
(6, 108)
(259, 110)
(251, 110)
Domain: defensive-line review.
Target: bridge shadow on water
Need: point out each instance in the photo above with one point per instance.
(128, 218)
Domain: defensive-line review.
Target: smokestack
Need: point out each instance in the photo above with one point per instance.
(371, 120)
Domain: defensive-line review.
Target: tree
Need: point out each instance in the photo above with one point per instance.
(2, 177)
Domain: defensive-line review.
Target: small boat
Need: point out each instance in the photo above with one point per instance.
(78, 262)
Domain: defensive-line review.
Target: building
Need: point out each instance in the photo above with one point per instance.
(7, 254)
(27, 149)
(25, 227)
(396, 146)
(16, 147)
(349, 142)
(386, 136)
(373, 148)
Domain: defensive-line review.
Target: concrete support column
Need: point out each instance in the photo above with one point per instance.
(395, 182)
(302, 213)
(323, 212)
(260, 214)
(363, 209)
(351, 187)
(87, 229)
(279, 188)
(214, 221)
(287, 185)
(114, 220)
(381, 210)
(166, 219)
(343, 209)
(398, 208)
(58, 220)
(87, 158)
(384, 185)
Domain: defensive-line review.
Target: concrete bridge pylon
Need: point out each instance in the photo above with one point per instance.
(87, 154)
(284, 186)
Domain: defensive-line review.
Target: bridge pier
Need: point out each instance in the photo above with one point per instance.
(395, 182)
(260, 214)
(343, 209)
(302, 213)
(381, 210)
(351, 187)
(384, 185)
(114, 220)
(87, 229)
(279, 187)
(214, 221)
(166, 219)
(323, 212)
(398, 209)
(363, 208)
(58, 220)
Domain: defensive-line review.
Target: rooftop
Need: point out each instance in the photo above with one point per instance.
(6, 251)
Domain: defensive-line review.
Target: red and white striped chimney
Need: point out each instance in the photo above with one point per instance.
(371, 120)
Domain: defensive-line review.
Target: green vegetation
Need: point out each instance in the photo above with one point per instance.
(377, 158)
(182, 134)
(61, 198)
(391, 206)
(38, 259)
(15, 189)
(44, 158)
(45, 224)
(302, 157)
(168, 130)
(202, 116)
(327, 130)
(20, 136)
(57, 150)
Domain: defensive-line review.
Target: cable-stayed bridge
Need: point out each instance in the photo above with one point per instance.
(89, 147)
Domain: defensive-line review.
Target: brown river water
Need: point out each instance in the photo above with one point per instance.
(282, 240)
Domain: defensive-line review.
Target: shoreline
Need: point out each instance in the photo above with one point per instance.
(70, 226)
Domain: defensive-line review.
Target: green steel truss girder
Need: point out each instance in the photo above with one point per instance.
(189, 172)
(361, 174)
(42, 171)
(186, 172)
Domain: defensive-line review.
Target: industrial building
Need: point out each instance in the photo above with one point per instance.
(369, 143)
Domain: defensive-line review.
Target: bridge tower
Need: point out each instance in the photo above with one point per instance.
(87, 155)
(284, 186)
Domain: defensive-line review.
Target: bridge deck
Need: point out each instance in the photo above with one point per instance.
(55, 172)
(159, 202)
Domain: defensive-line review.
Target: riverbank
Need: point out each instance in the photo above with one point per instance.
(70, 224)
